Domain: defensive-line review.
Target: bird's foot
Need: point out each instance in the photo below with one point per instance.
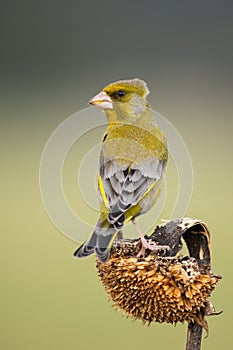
(151, 246)
(147, 244)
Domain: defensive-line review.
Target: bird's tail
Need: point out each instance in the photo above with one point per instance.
(100, 241)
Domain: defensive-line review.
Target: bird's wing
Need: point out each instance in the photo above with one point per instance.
(122, 187)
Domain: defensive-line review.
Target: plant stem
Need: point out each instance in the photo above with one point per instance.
(194, 336)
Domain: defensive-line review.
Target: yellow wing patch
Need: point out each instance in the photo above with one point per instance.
(149, 189)
(102, 192)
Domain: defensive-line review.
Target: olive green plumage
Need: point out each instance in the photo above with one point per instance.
(132, 162)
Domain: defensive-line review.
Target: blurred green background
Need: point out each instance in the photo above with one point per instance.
(55, 55)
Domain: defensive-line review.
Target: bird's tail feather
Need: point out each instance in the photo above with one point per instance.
(99, 242)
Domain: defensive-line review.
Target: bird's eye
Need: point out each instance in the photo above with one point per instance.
(121, 93)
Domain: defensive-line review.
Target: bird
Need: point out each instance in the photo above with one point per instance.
(132, 164)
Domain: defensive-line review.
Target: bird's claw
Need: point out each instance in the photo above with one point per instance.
(151, 246)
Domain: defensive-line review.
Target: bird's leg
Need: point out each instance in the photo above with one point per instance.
(147, 244)
(143, 240)
(119, 236)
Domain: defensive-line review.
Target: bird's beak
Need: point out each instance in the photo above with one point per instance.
(102, 100)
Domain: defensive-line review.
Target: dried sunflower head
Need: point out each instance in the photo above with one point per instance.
(156, 288)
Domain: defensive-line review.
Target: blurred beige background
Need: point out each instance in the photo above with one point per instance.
(54, 57)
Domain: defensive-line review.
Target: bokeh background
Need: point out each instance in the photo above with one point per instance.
(55, 55)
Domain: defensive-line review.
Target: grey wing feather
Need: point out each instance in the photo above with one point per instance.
(124, 187)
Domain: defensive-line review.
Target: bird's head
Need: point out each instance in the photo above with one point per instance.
(125, 98)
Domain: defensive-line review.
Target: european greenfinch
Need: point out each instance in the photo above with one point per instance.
(132, 163)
